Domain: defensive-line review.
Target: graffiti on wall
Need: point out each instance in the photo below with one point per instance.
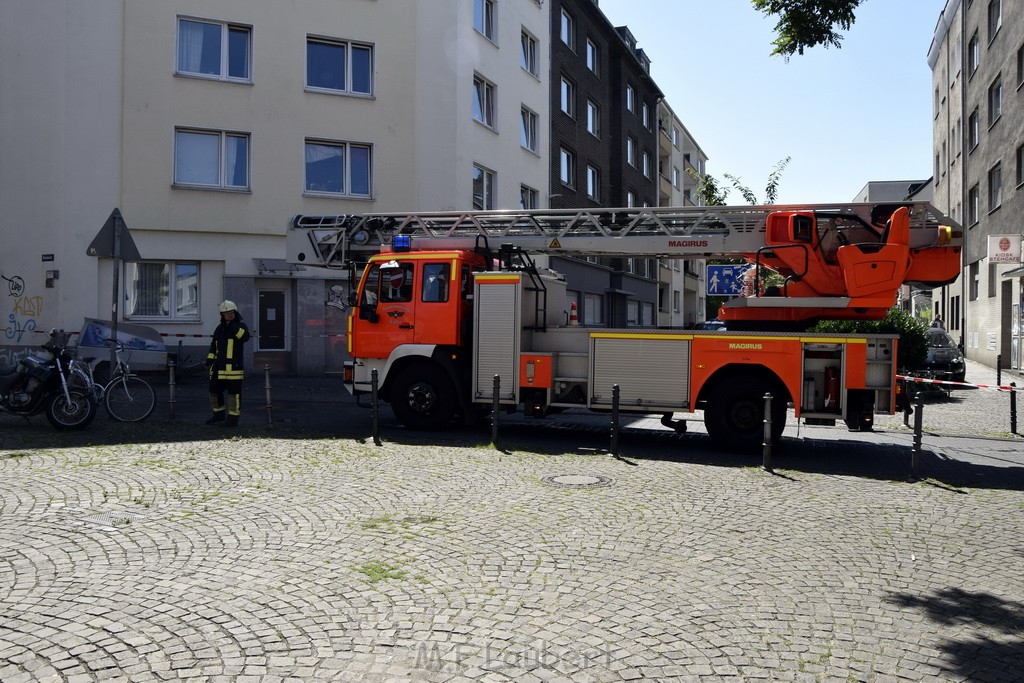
(24, 310)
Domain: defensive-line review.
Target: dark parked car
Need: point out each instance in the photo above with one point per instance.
(717, 325)
(944, 359)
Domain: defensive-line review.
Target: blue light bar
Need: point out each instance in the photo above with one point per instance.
(402, 243)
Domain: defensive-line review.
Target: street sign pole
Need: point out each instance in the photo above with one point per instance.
(114, 296)
(114, 241)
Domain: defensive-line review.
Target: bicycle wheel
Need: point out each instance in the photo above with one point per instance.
(129, 398)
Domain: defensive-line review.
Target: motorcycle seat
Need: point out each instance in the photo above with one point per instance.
(7, 370)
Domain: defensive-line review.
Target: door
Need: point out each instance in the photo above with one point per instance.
(271, 321)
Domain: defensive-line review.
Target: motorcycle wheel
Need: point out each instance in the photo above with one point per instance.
(74, 415)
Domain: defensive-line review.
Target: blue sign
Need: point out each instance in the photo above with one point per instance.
(726, 280)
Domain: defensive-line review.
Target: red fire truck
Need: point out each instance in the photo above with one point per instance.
(447, 301)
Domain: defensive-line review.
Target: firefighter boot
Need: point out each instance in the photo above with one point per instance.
(230, 421)
(217, 417)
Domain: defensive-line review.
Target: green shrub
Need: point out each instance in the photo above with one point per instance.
(912, 348)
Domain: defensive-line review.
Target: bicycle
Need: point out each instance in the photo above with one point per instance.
(126, 397)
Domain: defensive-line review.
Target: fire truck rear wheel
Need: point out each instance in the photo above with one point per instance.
(423, 397)
(734, 416)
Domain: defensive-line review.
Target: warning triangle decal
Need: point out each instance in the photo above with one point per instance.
(555, 244)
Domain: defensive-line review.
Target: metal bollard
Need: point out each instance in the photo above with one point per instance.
(615, 420)
(1013, 408)
(766, 454)
(999, 370)
(915, 456)
(171, 387)
(374, 408)
(266, 386)
(495, 408)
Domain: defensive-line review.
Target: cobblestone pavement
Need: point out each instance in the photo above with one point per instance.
(175, 551)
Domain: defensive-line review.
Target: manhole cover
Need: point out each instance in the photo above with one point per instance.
(577, 481)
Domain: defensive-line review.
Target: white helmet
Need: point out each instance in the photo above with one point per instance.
(227, 305)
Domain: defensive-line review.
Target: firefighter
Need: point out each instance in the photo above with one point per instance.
(224, 362)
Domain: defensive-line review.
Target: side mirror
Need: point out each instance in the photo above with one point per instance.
(368, 312)
(353, 297)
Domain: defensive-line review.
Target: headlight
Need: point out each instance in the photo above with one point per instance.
(957, 361)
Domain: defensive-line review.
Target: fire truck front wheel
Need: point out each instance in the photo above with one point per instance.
(423, 397)
(734, 414)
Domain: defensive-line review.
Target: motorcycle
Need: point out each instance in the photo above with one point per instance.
(40, 383)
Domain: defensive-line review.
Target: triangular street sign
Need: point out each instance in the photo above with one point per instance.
(104, 245)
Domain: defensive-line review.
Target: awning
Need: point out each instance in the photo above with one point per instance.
(1016, 272)
(276, 266)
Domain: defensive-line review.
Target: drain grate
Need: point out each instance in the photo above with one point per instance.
(577, 481)
(109, 521)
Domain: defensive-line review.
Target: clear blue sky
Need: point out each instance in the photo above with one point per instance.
(846, 116)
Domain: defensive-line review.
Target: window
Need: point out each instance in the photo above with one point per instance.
(214, 50)
(568, 30)
(973, 281)
(483, 17)
(973, 54)
(483, 101)
(567, 169)
(339, 66)
(593, 118)
(1020, 165)
(631, 151)
(973, 130)
(675, 137)
(938, 168)
(528, 197)
(675, 300)
(215, 159)
(675, 177)
(592, 56)
(1020, 66)
(646, 116)
(436, 279)
(528, 58)
(647, 164)
(568, 103)
(528, 130)
(168, 289)
(936, 105)
(995, 18)
(483, 188)
(593, 309)
(973, 209)
(338, 168)
(995, 187)
(995, 101)
(593, 183)
(630, 98)
(632, 312)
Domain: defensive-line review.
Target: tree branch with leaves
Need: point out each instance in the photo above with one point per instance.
(803, 24)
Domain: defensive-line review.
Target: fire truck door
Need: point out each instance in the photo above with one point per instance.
(387, 314)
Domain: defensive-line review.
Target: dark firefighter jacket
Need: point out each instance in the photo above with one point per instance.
(225, 356)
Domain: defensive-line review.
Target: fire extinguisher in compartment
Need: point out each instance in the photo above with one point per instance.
(831, 388)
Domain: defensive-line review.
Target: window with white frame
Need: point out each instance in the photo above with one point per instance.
(483, 188)
(995, 101)
(632, 312)
(214, 50)
(162, 289)
(483, 17)
(973, 130)
(675, 137)
(483, 101)
(647, 313)
(528, 130)
(973, 54)
(675, 300)
(528, 198)
(630, 98)
(567, 167)
(995, 18)
(647, 168)
(568, 30)
(995, 187)
(973, 205)
(675, 177)
(593, 309)
(568, 99)
(646, 116)
(339, 66)
(631, 198)
(593, 118)
(593, 57)
(528, 53)
(338, 168)
(211, 159)
(631, 151)
(593, 183)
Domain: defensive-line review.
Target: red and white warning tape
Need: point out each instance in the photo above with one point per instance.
(924, 380)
